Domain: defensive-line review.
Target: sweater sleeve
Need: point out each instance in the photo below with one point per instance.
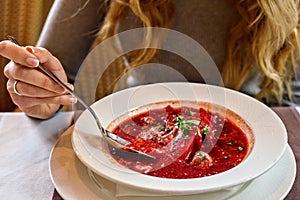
(70, 29)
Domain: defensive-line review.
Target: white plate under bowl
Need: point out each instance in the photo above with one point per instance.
(269, 132)
(73, 180)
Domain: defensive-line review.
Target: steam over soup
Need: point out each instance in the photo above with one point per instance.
(188, 142)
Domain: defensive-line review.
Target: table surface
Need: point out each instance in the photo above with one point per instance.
(26, 144)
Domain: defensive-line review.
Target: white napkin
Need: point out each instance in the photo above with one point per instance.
(123, 191)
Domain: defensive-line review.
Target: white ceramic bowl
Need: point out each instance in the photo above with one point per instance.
(269, 133)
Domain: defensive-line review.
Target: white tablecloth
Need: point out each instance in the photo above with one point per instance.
(25, 146)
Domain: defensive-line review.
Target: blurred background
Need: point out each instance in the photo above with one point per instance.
(24, 20)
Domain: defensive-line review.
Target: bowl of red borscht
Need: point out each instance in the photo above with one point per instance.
(204, 138)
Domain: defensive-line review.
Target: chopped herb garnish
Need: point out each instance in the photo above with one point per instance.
(178, 118)
(192, 121)
(185, 126)
(226, 157)
(192, 113)
(199, 154)
(230, 143)
(150, 136)
(241, 148)
(198, 131)
(206, 130)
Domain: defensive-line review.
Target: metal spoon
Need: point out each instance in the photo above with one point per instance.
(113, 139)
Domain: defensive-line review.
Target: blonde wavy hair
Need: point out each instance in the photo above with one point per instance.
(265, 38)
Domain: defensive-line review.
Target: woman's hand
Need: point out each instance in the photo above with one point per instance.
(30, 89)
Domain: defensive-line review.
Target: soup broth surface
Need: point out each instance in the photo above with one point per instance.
(187, 142)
